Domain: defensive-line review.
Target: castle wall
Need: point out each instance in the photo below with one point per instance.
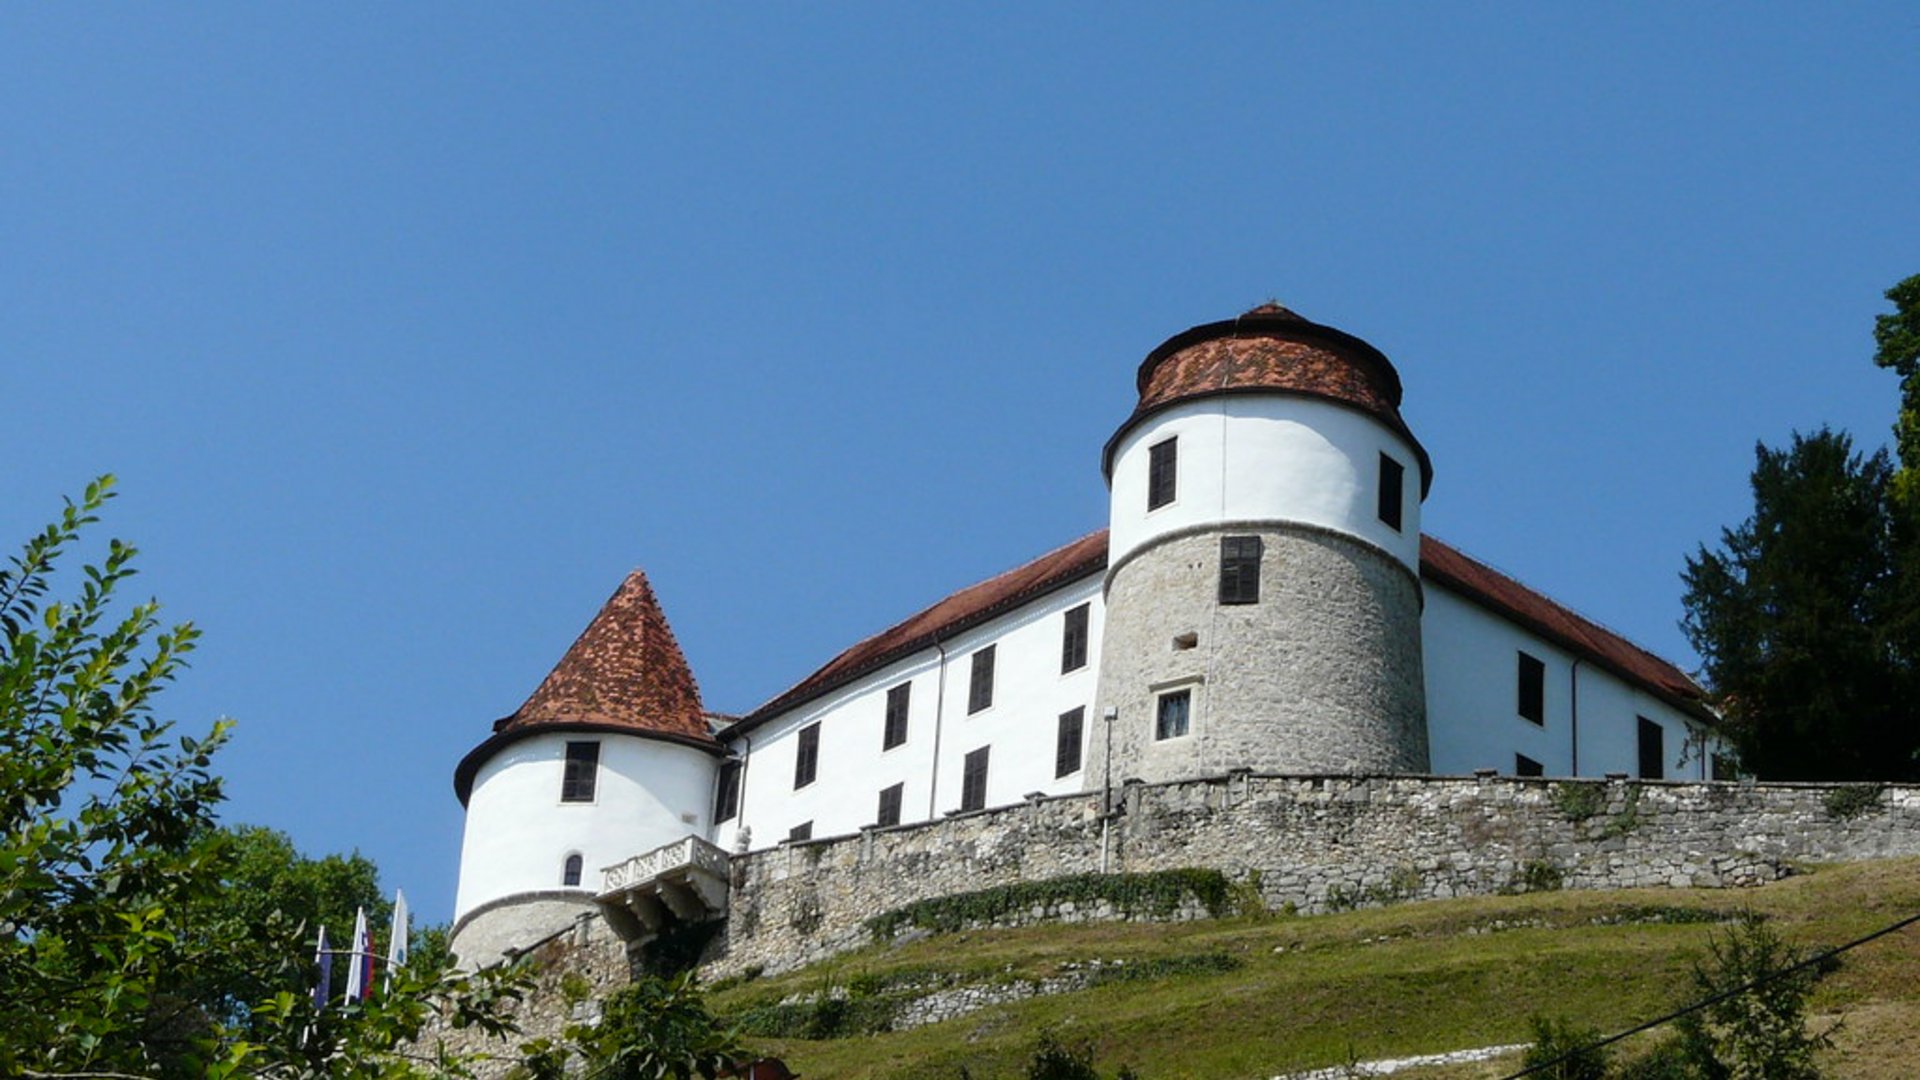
(1029, 694)
(1265, 458)
(1470, 657)
(1321, 675)
(1316, 843)
(519, 832)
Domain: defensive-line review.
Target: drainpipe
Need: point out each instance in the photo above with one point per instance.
(1573, 711)
(1111, 714)
(939, 710)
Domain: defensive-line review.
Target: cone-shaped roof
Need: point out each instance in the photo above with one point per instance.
(625, 670)
(625, 673)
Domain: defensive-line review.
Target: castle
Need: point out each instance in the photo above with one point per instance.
(1261, 601)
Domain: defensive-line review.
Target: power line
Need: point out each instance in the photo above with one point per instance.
(1817, 958)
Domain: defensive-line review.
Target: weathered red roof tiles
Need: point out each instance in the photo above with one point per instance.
(1266, 350)
(625, 670)
(968, 607)
(1088, 555)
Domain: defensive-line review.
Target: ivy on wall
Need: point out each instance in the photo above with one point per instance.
(1155, 895)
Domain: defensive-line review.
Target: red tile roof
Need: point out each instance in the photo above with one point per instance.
(968, 607)
(1589, 640)
(625, 673)
(625, 670)
(1271, 349)
(1088, 555)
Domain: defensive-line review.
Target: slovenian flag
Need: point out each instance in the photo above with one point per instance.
(323, 957)
(360, 975)
(397, 934)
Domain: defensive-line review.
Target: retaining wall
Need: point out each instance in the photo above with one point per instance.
(1317, 843)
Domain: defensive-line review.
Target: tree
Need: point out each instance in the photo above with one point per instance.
(124, 944)
(1792, 617)
(1896, 338)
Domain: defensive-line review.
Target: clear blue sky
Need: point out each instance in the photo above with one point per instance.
(411, 328)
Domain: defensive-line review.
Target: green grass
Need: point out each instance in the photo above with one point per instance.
(1408, 979)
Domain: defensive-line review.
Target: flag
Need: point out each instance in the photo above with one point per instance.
(324, 958)
(397, 934)
(360, 975)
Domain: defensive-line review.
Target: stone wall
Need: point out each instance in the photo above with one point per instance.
(1317, 843)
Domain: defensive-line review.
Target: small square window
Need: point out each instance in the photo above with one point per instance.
(890, 805)
(1066, 742)
(1162, 464)
(1392, 491)
(726, 797)
(1526, 766)
(1239, 569)
(1073, 641)
(806, 761)
(1171, 717)
(1532, 691)
(582, 769)
(973, 780)
(802, 831)
(896, 727)
(980, 681)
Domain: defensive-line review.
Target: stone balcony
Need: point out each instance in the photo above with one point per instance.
(681, 882)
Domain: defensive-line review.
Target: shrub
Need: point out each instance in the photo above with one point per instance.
(1569, 1047)
(1852, 800)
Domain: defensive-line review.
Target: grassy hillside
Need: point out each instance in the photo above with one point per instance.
(1262, 996)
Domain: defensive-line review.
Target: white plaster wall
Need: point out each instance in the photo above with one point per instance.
(1261, 458)
(1030, 693)
(1471, 663)
(519, 833)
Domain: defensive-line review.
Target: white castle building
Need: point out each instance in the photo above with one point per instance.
(1262, 599)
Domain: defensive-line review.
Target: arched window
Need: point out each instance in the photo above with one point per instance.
(571, 875)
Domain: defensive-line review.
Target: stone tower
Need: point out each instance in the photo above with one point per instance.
(1263, 591)
(611, 756)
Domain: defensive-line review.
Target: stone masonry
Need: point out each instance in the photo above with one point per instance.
(1317, 843)
(1322, 675)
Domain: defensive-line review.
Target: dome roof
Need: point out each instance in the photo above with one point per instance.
(1271, 349)
(625, 674)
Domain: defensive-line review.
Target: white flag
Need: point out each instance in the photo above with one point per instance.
(356, 975)
(399, 932)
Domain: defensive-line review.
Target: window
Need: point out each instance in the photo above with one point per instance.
(1073, 641)
(802, 831)
(726, 795)
(806, 763)
(1066, 744)
(1526, 766)
(1724, 768)
(896, 726)
(1533, 689)
(980, 681)
(890, 805)
(583, 767)
(973, 780)
(1162, 462)
(1653, 754)
(570, 871)
(1239, 569)
(1170, 719)
(1392, 480)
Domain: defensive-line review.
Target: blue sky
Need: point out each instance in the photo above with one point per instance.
(410, 329)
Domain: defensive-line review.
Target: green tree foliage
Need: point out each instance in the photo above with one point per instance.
(138, 939)
(1566, 1049)
(1760, 1034)
(654, 1029)
(1792, 616)
(1897, 339)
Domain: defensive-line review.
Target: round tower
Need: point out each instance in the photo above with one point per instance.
(611, 757)
(1263, 590)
